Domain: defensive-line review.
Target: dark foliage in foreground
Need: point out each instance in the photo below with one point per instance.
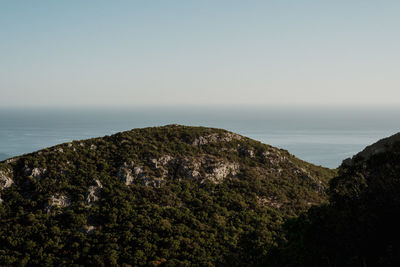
(360, 226)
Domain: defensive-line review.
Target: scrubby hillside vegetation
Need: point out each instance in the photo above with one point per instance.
(167, 196)
(360, 225)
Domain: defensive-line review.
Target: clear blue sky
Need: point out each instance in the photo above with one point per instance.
(199, 52)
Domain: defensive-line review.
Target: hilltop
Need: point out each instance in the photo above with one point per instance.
(162, 195)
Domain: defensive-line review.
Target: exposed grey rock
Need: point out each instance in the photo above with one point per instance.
(274, 156)
(202, 169)
(125, 173)
(59, 150)
(12, 160)
(269, 201)
(129, 173)
(138, 171)
(154, 182)
(35, 172)
(266, 154)
(94, 192)
(215, 137)
(93, 147)
(190, 168)
(221, 170)
(38, 172)
(5, 181)
(203, 140)
(162, 161)
(207, 169)
(58, 201)
(88, 229)
(247, 152)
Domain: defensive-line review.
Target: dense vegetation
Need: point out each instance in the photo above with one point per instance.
(168, 196)
(360, 225)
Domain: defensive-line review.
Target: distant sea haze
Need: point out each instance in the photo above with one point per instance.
(323, 136)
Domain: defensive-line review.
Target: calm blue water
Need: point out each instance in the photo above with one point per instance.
(321, 136)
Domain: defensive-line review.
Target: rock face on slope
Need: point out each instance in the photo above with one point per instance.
(208, 156)
(5, 180)
(57, 201)
(198, 193)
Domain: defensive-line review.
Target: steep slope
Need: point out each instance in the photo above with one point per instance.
(383, 145)
(164, 195)
(360, 226)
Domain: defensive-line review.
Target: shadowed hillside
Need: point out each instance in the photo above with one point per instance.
(360, 225)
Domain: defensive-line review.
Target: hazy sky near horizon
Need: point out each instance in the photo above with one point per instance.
(199, 52)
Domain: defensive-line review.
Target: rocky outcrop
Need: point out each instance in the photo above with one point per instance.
(274, 156)
(215, 138)
(35, 172)
(129, 173)
(11, 160)
(38, 172)
(93, 192)
(161, 162)
(272, 202)
(58, 201)
(125, 173)
(202, 169)
(206, 169)
(220, 171)
(246, 152)
(152, 181)
(5, 180)
(59, 150)
(88, 229)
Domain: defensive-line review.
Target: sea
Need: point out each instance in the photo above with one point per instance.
(320, 135)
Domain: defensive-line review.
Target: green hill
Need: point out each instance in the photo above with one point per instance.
(171, 195)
